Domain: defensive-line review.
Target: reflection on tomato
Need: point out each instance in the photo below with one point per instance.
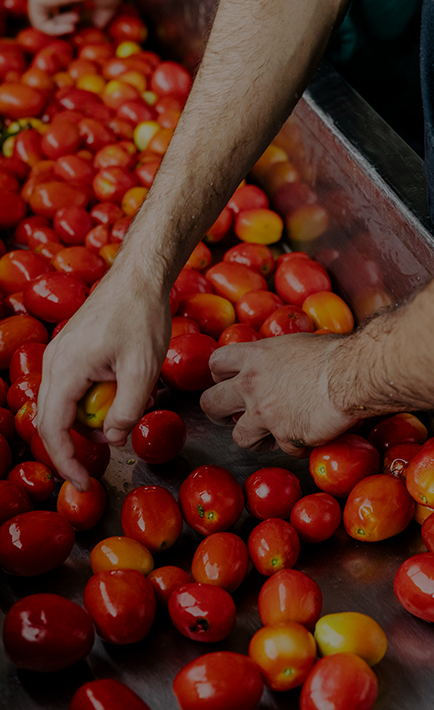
(238, 333)
(20, 101)
(165, 580)
(151, 515)
(93, 406)
(213, 313)
(186, 365)
(202, 612)
(271, 493)
(296, 279)
(13, 500)
(340, 682)
(159, 436)
(25, 420)
(286, 320)
(316, 517)
(72, 224)
(351, 632)
(221, 559)
(403, 428)
(121, 553)
(23, 389)
(182, 326)
(48, 197)
(82, 510)
(397, 458)
(414, 585)
(80, 262)
(171, 79)
(337, 466)
(232, 280)
(290, 595)
(191, 281)
(35, 478)
(18, 268)
(107, 694)
(273, 545)
(285, 653)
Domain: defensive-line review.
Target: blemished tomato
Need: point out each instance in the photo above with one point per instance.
(337, 466)
(211, 500)
(191, 281)
(13, 500)
(219, 680)
(328, 310)
(273, 545)
(213, 313)
(165, 580)
(271, 493)
(186, 365)
(151, 515)
(403, 428)
(122, 605)
(82, 510)
(121, 553)
(286, 320)
(397, 458)
(238, 333)
(94, 456)
(290, 595)
(202, 612)
(45, 541)
(35, 630)
(378, 507)
(232, 280)
(221, 559)
(285, 653)
(159, 436)
(80, 262)
(93, 406)
(106, 694)
(5, 457)
(18, 268)
(35, 478)
(339, 682)
(256, 306)
(414, 585)
(351, 632)
(316, 517)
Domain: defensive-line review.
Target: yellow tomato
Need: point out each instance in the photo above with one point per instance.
(328, 310)
(351, 632)
(93, 407)
(121, 553)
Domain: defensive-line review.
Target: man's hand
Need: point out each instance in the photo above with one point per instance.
(47, 15)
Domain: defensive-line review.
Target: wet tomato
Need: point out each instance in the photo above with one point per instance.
(82, 510)
(23, 389)
(112, 183)
(35, 478)
(273, 545)
(93, 406)
(286, 320)
(121, 553)
(397, 458)
(159, 436)
(18, 268)
(182, 326)
(378, 507)
(221, 559)
(271, 493)
(290, 595)
(121, 603)
(35, 630)
(81, 263)
(219, 680)
(285, 653)
(232, 280)
(60, 138)
(414, 585)
(5, 457)
(165, 580)
(106, 694)
(402, 428)
(45, 541)
(202, 612)
(25, 420)
(339, 682)
(351, 632)
(296, 279)
(337, 466)
(328, 310)
(186, 365)
(13, 500)
(151, 515)
(211, 499)
(256, 306)
(316, 517)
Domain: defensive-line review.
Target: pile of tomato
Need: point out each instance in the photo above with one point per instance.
(86, 121)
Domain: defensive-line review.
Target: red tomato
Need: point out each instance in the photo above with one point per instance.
(182, 326)
(82, 510)
(238, 333)
(271, 493)
(171, 79)
(165, 580)
(257, 257)
(213, 313)
(285, 653)
(202, 612)
(397, 458)
(297, 279)
(159, 436)
(12, 209)
(94, 456)
(48, 197)
(378, 507)
(60, 138)
(18, 268)
(427, 532)
(106, 694)
(121, 603)
(232, 280)
(12, 59)
(13, 500)
(186, 365)
(3, 392)
(35, 630)
(106, 213)
(23, 389)
(221, 559)
(219, 680)
(97, 238)
(286, 320)
(80, 262)
(5, 457)
(200, 258)
(72, 224)
(256, 306)
(414, 585)
(221, 226)
(35, 478)
(45, 538)
(94, 134)
(111, 183)
(7, 426)
(20, 101)
(27, 226)
(248, 197)
(419, 478)
(273, 545)
(27, 147)
(42, 236)
(72, 167)
(151, 515)
(402, 428)
(54, 297)
(316, 517)
(337, 466)
(290, 595)
(339, 682)
(191, 281)
(15, 167)
(15, 304)
(135, 111)
(211, 499)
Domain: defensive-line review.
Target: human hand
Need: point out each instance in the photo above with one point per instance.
(44, 16)
(281, 386)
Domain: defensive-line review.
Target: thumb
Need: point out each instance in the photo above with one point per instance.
(103, 12)
(129, 405)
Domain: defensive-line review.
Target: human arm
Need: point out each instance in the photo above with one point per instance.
(302, 390)
(44, 14)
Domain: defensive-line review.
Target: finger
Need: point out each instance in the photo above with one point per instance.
(227, 361)
(220, 402)
(41, 18)
(62, 24)
(96, 435)
(294, 450)
(103, 15)
(248, 434)
(132, 396)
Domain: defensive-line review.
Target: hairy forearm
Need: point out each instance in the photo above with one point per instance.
(388, 366)
(258, 59)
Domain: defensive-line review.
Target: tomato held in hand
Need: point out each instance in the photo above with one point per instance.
(202, 612)
(339, 682)
(316, 517)
(290, 595)
(186, 365)
(13, 500)
(46, 633)
(219, 680)
(273, 545)
(271, 493)
(93, 407)
(337, 466)
(121, 553)
(121, 603)
(211, 500)
(351, 632)
(285, 653)
(402, 428)
(106, 694)
(221, 559)
(151, 515)
(159, 436)
(35, 478)
(82, 510)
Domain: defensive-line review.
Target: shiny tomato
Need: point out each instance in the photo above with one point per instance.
(290, 595)
(25, 420)
(93, 406)
(328, 310)
(45, 538)
(257, 257)
(221, 226)
(378, 507)
(106, 694)
(27, 147)
(35, 478)
(316, 517)
(271, 493)
(200, 258)
(47, 197)
(151, 515)
(186, 365)
(80, 262)
(211, 499)
(339, 682)
(171, 79)
(42, 236)
(97, 237)
(18, 268)
(113, 155)
(159, 436)
(82, 510)
(94, 456)
(13, 500)
(23, 389)
(3, 392)
(94, 134)
(221, 559)
(337, 466)
(20, 101)
(105, 213)
(72, 167)
(427, 532)
(402, 428)
(35, 630)
(248, 197)
(259, 225)
(112, 183)
(60, 138)
(397, 458)
(285, 653)
(15, 304)
(5, 457)
(72, 224)
(121, 603)
(232, 280)
(238, 333)
(414, 585)
(7, 426)
(165, 580)
(273, 545)
(213, 313)
(191, 281)
(230, 680)
(202, 612)
(121, 553)
(182, 326)
(419, 478)
(297, 279)
(422, 512)
(256, 306)
(286, 320)
(351, 632)
(27, 226)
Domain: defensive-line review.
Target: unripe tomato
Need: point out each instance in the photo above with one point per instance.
(273, 545)
(106, 694)
(159, 436)
(290, 595)
(82, 510)
(13, 500)
(351, 632)
(202, 612)
(213, 313)
(151, 515)
(93, 406)
(121, 553)
(35, 478)
(271, 493)
(221, 559)
(165, 580)
(285, 653)
(339, 682)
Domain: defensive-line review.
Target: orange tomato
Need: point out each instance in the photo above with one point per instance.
(93, 407)
(272, 154)
(307, 222)
(119, 552)
(422, 512)
(200, 258)
(285, 653)
(221, 559)
(108, 252)
(212, 313)
(133, 200)
(328, 310)
(232, 280)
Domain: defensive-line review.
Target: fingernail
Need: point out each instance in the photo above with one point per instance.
(116, 435)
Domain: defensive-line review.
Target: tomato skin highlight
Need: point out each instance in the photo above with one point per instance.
(186, 365)
(316, 517)
(337, 466)
(202, 612)
(290, 595)
(351, 632)
(82, 510)
(119, 552)
(13, 500)
(36, 479)
(414, 585)
(221, 559)
(93, 406)
(273, 545)
(271, 493)
(339, 682)
(151, 515)
(165, 580)
(106, 694)
(419, 476)
(402, 428)
(159, 436)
